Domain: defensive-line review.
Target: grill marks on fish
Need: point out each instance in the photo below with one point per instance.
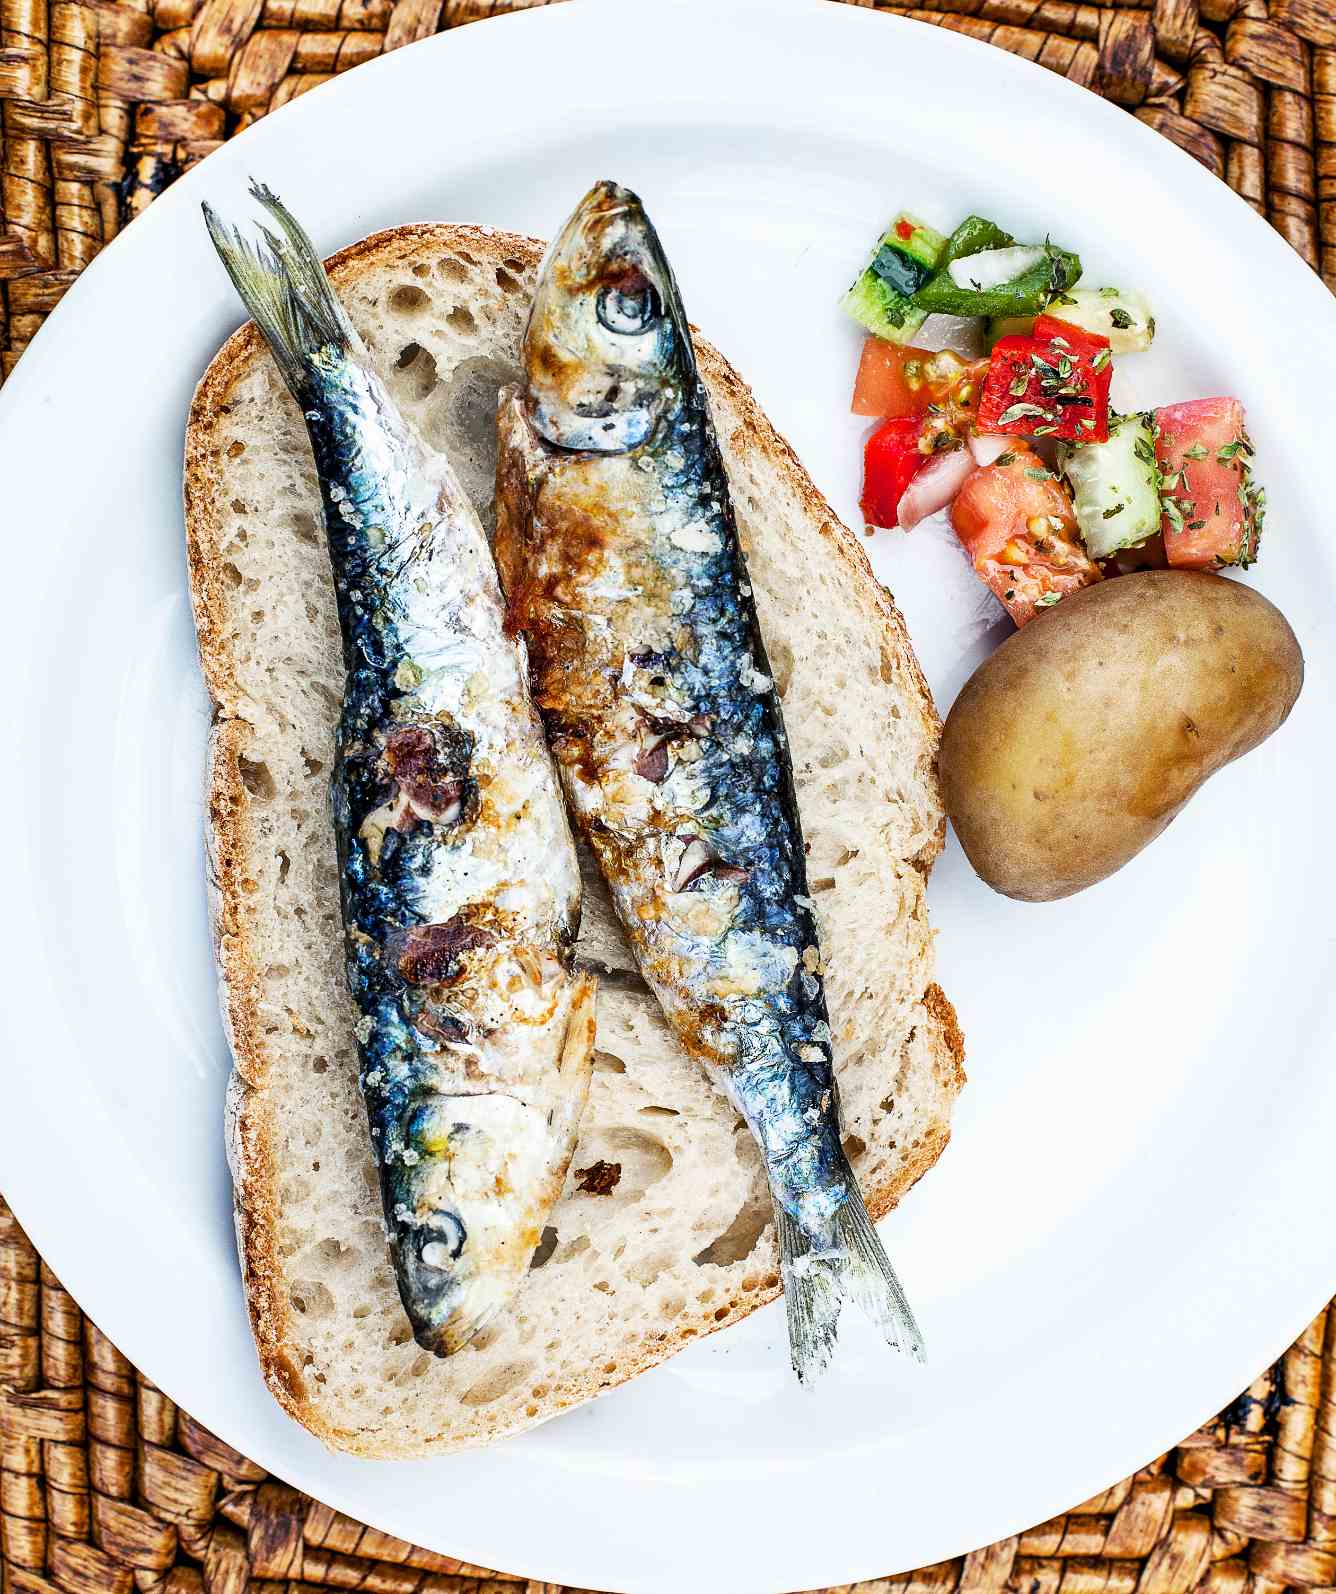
(459, 882)
(697, 862)
(415, 777)
(658, 736)
(429, 763)
(430, 954)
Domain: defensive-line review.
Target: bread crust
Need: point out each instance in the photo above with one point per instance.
(250, 1146)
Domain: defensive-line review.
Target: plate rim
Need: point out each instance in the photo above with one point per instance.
(24, 1193)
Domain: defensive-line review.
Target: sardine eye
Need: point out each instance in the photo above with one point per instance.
(629, 306)
(440, 1253)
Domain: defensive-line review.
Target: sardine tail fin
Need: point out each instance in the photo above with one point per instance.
(868, 1278)
(812, 1299)
(848, 1264)
(283, 285)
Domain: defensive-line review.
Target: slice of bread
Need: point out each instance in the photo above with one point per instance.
(663, 1232)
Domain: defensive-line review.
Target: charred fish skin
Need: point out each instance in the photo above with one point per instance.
(733, 955)
(459, 884)
(619, 552)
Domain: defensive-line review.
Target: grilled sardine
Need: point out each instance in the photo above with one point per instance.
(620, 558)
(461, 893)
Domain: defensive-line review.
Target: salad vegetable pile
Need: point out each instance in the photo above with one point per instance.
(1049, 488)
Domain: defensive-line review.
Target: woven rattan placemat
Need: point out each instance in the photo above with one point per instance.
(105, 1486)
(105, 101)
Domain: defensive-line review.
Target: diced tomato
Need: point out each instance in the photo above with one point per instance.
(891, 459)
(1016, 522)
(1054, 383)
(1212, 507)
(932, 399)
(950, 422)
(1049, 327)
(882, 387)
(895, 379)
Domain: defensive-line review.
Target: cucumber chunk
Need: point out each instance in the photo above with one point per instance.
(1115, 486)
(1121, 315)
(882, 298)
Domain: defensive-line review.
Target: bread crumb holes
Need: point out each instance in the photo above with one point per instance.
(407, 299)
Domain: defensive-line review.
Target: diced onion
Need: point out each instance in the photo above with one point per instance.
(934, 486)
(990, 268)
(963, 337)
(988, 446)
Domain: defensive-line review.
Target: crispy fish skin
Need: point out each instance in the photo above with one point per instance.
(619, 553)
(459, 882)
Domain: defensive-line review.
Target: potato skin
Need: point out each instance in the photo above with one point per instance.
(1077, 742)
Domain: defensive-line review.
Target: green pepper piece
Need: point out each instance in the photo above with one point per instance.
(1025, 295)
(975, 234)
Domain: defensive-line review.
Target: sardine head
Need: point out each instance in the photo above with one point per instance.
(436, 1282)
(466, 1197)
(607, 349)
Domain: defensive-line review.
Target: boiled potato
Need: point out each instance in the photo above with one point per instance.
(1077, 742)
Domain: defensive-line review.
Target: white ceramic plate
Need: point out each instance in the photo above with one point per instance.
(1138, 1210)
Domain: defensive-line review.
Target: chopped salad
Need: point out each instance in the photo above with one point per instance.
(1049, 488)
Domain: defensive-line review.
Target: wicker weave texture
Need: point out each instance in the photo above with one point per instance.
(104, 102)
(106, 1487)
